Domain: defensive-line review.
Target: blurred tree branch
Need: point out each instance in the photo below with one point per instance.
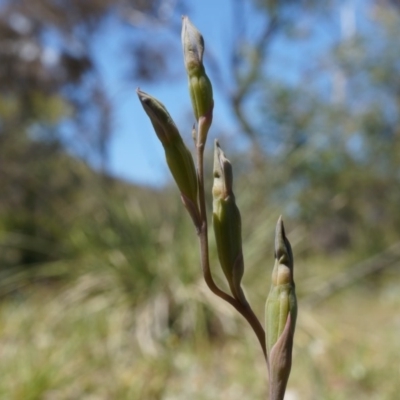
(320, 145)
(54, 101)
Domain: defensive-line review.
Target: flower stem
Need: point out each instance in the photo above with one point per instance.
(243, 308)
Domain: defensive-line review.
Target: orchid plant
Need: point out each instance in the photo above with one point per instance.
(276, 340)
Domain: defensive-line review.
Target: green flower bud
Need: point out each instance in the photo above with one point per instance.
(200, 87)
(280, 315)
(179, 158)
(162, 122)
(227, 224)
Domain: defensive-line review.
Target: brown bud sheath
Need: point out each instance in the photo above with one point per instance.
(280, 315)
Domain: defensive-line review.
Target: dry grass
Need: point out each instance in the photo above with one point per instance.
(58, 344)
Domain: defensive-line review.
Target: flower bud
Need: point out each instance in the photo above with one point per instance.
(227, 224)
(200, 87)
(162, 122)
(280, 315)
(179, 158)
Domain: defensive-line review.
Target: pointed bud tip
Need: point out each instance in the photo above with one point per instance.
(139, 92)
(217, 148)
(143, 96)
(279, 231)
(217, 164)
(219, 156)
(163, 124)
(222, 171)
(283, 251)
(192, 39)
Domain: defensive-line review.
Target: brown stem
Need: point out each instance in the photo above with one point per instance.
(244, 309)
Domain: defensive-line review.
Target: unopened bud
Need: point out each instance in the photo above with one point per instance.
(179, 158)
(200, 87)
(227, 224)
(280, 315)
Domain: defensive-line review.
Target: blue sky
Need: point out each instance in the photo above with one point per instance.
(135, 153)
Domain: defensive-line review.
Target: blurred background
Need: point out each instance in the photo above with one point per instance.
(101, 295)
